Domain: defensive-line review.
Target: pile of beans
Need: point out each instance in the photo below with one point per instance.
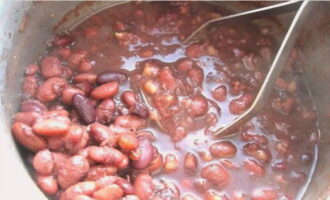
(93, 138)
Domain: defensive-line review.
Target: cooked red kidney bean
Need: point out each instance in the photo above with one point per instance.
(59, 159)
(84, 108)
(108, 155)
(223, 149)
(105, 111)
(216, 174)
(99, 171)
(125, 185)
(26, 137)
(131, 197)
(195, 50)
(220, 93)
(33, 106)
(85, 65)
(48, 184)
(212, 195)
(196, 76)
(147, 153)
(128, 142)
(197, 106)
(90, 77)
(201, 185)
(130, 121)
(111, 76)
(150, 69)
(263, 194)
(51, 127)
(85, 86)
(43, 162)
(190, 163)
(185, 65)
(51, 89)
(129, 98)
(166, 79)
(106, 90)
(68, 94)
(254, 167)
(62, 52)
(29, 86)
(62, 40)
(241, 104)
(76, 57)
(144, 187)
(73, 170)
(156, 163)
(31, 69)
(179, 134)
(83, 188)
(109, 192)
(140, 110)
(51, 67)
(101, 133)
(254, 150)
(28, 118)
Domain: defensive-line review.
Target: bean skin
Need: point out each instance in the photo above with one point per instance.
(26, 137)
(29, 87)
(84, 108)
(31, 69)
(125, 185)
(110, 76)
(131, 122)
(105, 111)
(48, 184)
(28, 118)
(51, 89)
(52, 127)
(190, 163)
(197, 106)
(101, 133)
(140, 110)
(107, 155)
(147, 153)
(83, 188)
(90, 77)
(216, 174)
(68, 94)
(99, 171)
(106, 90)
(51, 67)
(144, 187)
(109, 192)
(72, 171)
(33, 106)
(43, 162)
(223, 149)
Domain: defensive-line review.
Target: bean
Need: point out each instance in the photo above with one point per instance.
(150, 87)
(76, 57)
(83, 188)
(43, 162)
(51, 89)
(190, 163)
(51, 67)
(131, 122)
(201, 185)
(62, 40)
(131, 197)
(169, 190)
(99, 171)
(85, 86)
(62, 52)
(212, 195)
(241, 104)
(166, 79)
(101, 133)
(90, 77)
(83, 197)
(26, 137)
(196, 76)
(254, 150)
(105, 111)
(179, 133)
(216, 174)
(84, 108)
(254, 167)
(195, 50)
(223, 149)
(68, 94)
(147, 153)
(76, 139)
(220, 93)
(85, 65)
(125, 185)
(140, 110)
(74, 169)
(128, 142)
(129, 98)
(185, 65)
(197, 106)
(29, 87)
(33, 106)
(28, 118)
(110, 192)
(59, 160)
(156, 164)
(144, 187)
(111, 76)
(263, 194)
(48, 184)
(188, 197)
(107, 155)
(52, 127)
(150, 69)
(31, 69)
(106, 90)
(171, 163)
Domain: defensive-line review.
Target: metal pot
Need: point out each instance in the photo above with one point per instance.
(25, 28)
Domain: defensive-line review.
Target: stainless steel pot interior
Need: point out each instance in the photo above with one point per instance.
(19, 48)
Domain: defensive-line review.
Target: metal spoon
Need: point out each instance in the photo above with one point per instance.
(267, 11)
(272, 75)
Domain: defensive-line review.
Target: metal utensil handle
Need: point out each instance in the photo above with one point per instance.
(251, 14)
(272, 75)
